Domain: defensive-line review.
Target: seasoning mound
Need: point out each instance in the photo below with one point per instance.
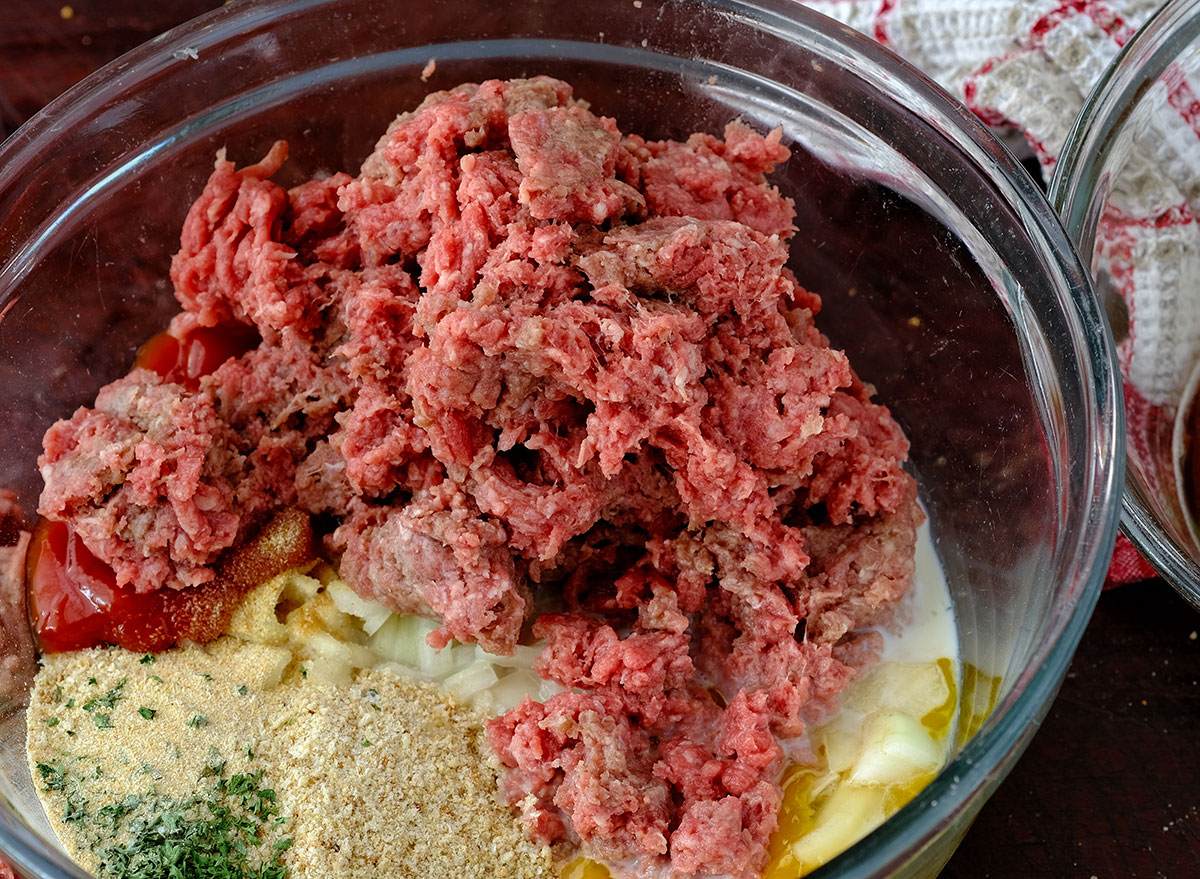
(526, 361)
(385, 777)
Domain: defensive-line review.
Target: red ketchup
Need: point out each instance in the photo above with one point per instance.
(76, 602)
(74, 597)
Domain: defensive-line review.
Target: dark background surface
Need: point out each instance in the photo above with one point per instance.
(1109, 788)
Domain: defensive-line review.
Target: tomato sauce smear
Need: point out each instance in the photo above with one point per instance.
(76, 602)
(186, 359)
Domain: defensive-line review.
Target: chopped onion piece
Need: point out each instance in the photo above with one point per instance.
(841, 741)
(916, 688)
(393, 642)
(848, 815)
(464, 655)
(437, 663)
(325, 670)
(545, 690)
(514, 687)
(407, 671)
(485, 702)
(470, 680)
(372, 613)
(896, 749)
(402, 639)
(523, 657)
(322, 645)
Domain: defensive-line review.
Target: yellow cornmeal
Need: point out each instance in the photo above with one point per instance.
(386, 777)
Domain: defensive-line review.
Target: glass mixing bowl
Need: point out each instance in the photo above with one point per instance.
(1134, 153)
(943, 270)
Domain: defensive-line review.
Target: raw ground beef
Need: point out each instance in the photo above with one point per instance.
(526, 360)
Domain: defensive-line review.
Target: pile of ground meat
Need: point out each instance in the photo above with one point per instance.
(534, 370)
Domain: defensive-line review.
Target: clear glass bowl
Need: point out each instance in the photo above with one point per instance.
(1102, 167)
(943, 270)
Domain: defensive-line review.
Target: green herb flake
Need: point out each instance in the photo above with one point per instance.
(154, 678)
(71, 702)
(92, 681)
(147, 713)
(147, 659)
(50, 721)
(108, 700)
(243, 690)
(76, 808)
(366, 743)
(216, 764)
(209, 835)
(53, 775)
(103, 721)
(303, 672)
(198, 720)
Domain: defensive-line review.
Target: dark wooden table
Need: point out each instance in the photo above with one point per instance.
(1109, 788)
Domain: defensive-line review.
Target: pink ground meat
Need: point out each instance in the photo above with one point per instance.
(523, 358)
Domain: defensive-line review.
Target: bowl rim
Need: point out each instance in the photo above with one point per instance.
(1079, 189)
(983, 762)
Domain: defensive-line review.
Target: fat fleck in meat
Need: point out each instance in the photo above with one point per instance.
(524, 357)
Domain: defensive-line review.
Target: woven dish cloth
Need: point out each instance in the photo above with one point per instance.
(1024, 67)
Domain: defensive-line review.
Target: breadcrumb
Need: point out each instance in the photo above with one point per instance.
(387, 777)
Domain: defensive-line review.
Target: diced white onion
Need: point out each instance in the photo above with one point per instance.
(470, 680)
(523, 657)
(432, 661)
(327, 670)
(896, 749)
(848, 815)
(915, 688)
(372, 613)
(841, 741)
(514, 687)
(406, 671)
(401, 638)
(466, 670)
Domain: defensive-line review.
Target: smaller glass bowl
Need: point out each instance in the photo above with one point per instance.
(1127, 187)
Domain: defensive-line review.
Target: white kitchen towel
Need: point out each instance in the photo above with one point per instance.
(1025, 67)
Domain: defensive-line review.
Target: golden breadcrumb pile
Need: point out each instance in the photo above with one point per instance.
(377, 776)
